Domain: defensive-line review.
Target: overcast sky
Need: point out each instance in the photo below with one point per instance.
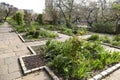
(36, 5)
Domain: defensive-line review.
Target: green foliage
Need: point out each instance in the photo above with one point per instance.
(67, 31)
(116, 6)
(94, 37)
(104, 27)
(105, 39)
(116, 41)
(75, 59)
(117, 38)
(19, 18)
(51, 27)
(82, 31)
(40, 19)
(20, 28)
(36, 34)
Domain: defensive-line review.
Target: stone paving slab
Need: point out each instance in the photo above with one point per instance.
(11, 48)
(36, 76)
(9, 45)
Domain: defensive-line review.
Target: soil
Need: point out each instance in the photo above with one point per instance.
(35, 61)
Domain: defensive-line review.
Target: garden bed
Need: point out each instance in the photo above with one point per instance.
(113, 41)
(32, 63)
(25, 39)
(35, 61)
(97, 69)
(113, 67)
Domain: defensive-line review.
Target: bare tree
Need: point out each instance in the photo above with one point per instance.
(7, 10)
(66, 7)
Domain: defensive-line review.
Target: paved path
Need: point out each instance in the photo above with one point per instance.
(11, 48)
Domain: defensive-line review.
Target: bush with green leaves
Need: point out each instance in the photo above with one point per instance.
(94, 37)
(67, 31)
(82, 31)
(40, 19)
(76, 59)
(104, 27)
(51, 27)
(37, 34)
(117, 38)
(105, 39)
(19, 18)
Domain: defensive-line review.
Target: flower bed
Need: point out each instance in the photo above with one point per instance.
(77, 59)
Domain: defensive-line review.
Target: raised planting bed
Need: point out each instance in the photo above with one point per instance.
(32, 63)
(71, 32)
(105, 40)
(28, 37)
(97, 67)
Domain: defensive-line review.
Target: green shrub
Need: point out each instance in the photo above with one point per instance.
(40, 34)
(115, 43)
(67, 31)
(36, 34)
(104, 27)
(19, 18)
(82, 31)
(20, 28)
(40, 19)
(117, 38)
(105, 39)
(94, 37)
(75, 58)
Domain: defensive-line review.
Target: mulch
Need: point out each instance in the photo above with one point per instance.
(35, 61)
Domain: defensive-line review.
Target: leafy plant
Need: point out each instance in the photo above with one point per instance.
(33, 33)
(94, 37)
(104, 27)
(117, 38)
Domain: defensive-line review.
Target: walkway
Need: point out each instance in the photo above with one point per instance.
(11, 48)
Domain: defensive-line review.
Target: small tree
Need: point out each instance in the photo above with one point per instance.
(27, 18)
(116, 8)
(40, 19)
(19, 18)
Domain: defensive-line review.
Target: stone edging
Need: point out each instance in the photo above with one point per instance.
(25, 71)
(106, 72)
(31, 50)
(107, 44)
(109, 70)
(23, 40)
